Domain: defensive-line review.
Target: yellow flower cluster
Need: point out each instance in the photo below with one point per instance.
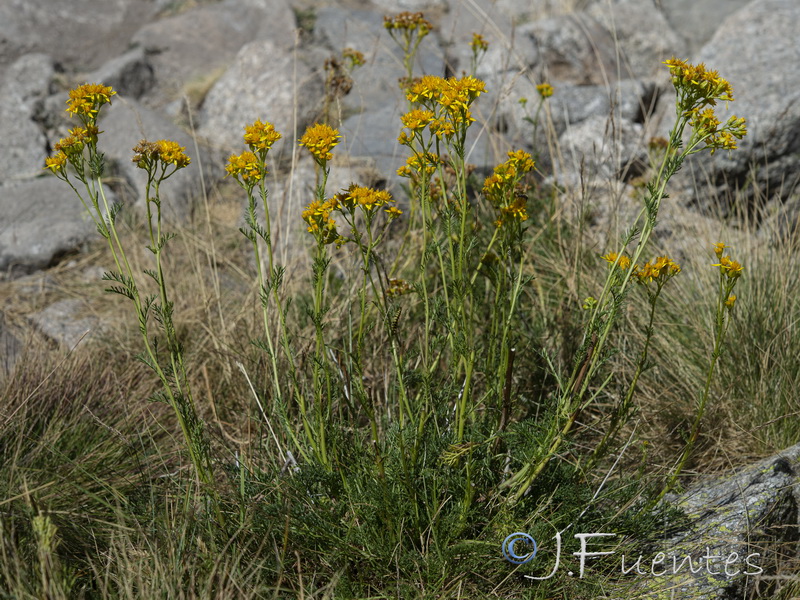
(660, 270)
(246, 168)
(729, 273)
(70, 148)
(368, 199)
(502, 187)
(318, 216)
(408, 22)
(85, 100)
(447, 101)
(698, 83)
(76, 140)
(545, 90)
(249, 167)
(353, 58)
(706, 123)
(698, 90)
(478, 43)
(260, 136)
(730, 268)
(417, 119)
(56, 163)
(417, 163)
(518, 209)
(166, 152)
(623, 262)
(172, 153)
(320, 140)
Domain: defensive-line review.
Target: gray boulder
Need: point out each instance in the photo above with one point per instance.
(634, 24)
(83, 33)
(623, 104)
(67, 322)
(191, 49)
(574, 53)
(395, 6)
(697, 20)
(29, 79)
(602, 148)
(26, 83)
(374, 135)
(42, 220)
(457, 26)
(265, 82)
(530, 10)
(131, 74)
(735, 527)
(572, 48)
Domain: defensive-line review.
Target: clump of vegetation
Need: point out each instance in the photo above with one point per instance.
(390, 424)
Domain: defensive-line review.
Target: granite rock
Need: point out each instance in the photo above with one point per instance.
(265, 82)
(26, 83)
(188, 51)
(42, 220)
(745, 519)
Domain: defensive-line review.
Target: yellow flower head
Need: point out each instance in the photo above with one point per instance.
(730, 301)
(56, 163)
(85, 100)
(393, 212)
(245, 168)
(353, 58)
(517, 209)
(425, 89)
(660, 270)
(442, 128)
(368, 199)
(521, 160)
(697, 85)
(408, 21)
(545, 90)
(320, 139)
(478, 43)
(731, 268)
(70, 145)
(147, 155)
(623, 262)
(457, 94)
(320, 222)
(172, 153)
(719, 247)
(417, 119)
(501, 187)
(260, 136)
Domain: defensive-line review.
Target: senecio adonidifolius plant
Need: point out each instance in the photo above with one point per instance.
(698, 91)
(160, 160)
(417, 370)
